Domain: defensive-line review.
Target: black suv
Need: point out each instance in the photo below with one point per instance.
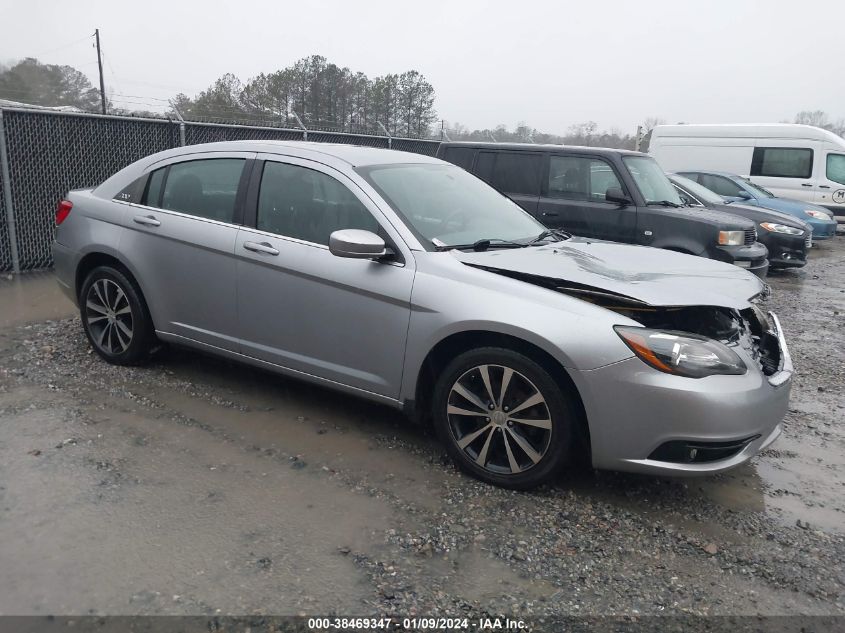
(608, 194)
(787, 237)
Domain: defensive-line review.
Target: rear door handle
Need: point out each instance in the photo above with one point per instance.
(261, 247)
(824, 186)
(549, 214)
(806, 184)
(146, 220)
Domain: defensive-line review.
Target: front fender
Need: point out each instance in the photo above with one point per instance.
(577, 334)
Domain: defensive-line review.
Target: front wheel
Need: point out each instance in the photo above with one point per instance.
(503, 418)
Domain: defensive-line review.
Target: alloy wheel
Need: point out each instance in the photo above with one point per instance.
(109, 316)
(499, 419)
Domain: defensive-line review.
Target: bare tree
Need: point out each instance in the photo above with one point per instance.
(652, 122)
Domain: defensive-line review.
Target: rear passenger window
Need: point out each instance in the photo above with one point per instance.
(154, 187)
(308, 205)
(782, 162)
(204, 188)
(460, 156)
(511, 172)
(580, 178)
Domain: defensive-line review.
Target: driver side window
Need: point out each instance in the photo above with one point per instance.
(580, 178)
(308, 205)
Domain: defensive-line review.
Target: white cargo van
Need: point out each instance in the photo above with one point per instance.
(790, 160)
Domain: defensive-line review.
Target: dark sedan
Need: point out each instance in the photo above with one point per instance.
(786, 237)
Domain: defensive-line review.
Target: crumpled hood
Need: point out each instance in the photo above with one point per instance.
(648, 275)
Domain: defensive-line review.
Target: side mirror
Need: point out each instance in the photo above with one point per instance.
(615, 194)
(743, 195)
(357, 244)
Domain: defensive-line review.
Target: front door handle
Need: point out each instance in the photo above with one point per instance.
(261, 247)
(824, 186)
(549, 214)
(146, 220)
(806, 184)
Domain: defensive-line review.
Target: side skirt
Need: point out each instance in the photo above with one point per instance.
(279, 369)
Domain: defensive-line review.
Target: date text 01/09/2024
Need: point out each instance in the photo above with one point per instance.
(416, 624)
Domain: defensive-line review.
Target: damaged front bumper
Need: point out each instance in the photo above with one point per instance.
(643, 420)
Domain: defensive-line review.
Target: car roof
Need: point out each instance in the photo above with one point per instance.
(542, 147)
(354, 155)
(337, 155)
(748, 131)
(727, 174)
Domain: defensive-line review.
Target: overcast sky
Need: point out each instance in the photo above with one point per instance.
(550, 64)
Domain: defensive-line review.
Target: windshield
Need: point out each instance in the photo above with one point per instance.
(652, 182)
(757, 188)
(445, 205)
(702, 193)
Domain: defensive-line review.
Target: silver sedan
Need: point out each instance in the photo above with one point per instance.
(406, 280)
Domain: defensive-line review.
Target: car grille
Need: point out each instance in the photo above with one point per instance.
(808, 241)
(750, 236)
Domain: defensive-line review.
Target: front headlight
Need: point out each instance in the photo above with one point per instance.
(818, 215)
(774, 227)
(680, 353)
(732, 238)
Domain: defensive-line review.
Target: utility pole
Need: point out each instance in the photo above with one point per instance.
(100, 64)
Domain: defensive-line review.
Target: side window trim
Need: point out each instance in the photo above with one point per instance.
(135, 191)
(145, 199)
(253, 188)
(239, 212)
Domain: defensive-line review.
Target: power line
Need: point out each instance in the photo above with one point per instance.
(63, 46)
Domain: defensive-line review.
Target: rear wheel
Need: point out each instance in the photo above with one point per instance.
(503, 418)
(115, 317)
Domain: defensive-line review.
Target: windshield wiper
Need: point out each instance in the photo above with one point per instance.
(664, 203)
(560, 234)
(481, 245)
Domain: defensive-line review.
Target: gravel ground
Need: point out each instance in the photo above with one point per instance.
(197, 486)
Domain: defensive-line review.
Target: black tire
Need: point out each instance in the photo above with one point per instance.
(106, 325)
(504, 449)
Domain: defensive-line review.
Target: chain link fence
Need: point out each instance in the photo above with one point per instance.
(50, 153)
(6, 262)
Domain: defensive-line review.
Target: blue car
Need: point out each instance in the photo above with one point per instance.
(735, 188)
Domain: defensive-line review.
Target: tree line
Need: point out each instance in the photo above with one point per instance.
(587, 134)
(322, 95)
(29, 81)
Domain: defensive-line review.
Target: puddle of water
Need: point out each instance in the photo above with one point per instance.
(32, 297)
(324, 427)
(192, 522)
(796, 483)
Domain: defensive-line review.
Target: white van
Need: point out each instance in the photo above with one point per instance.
(790, 160)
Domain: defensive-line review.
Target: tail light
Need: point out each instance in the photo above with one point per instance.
(63, 210)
